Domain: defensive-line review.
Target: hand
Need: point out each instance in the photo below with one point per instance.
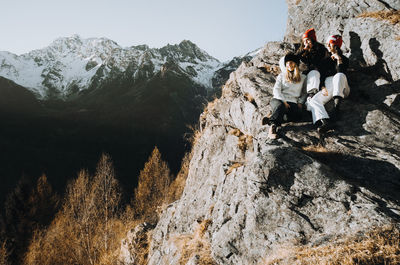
(300, 105)
(336, 56)
(325, 91)
(287, 106)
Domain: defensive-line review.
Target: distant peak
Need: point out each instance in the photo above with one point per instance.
(76, 37)
(187, 42)
(76, 41)
(142, 47)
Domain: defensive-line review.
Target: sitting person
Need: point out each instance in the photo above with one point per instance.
(336, 86)
(312, 54)
(288, 95)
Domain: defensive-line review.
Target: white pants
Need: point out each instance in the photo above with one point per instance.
(337, 86)
(313, 80)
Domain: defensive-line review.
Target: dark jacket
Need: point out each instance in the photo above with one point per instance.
(314, 58)
(330, 67)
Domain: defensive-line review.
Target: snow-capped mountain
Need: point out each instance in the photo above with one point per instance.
(73, 64)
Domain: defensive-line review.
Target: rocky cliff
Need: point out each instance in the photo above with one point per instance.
(246, 195)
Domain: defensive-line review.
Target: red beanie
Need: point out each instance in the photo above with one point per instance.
(310, 34)
(335, 40)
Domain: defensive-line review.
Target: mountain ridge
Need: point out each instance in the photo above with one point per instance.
(72, 64)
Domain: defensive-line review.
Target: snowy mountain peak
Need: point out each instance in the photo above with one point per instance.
(72, 64)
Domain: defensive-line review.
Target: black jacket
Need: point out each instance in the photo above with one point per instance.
(314, 58)
(330, 67)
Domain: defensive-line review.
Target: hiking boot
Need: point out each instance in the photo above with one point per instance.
(335, 114)
(324, 126)
(265, 120)
(272, 132)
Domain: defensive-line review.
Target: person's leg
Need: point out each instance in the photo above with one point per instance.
(294, 112)
(324, 121)
(341, 89)
(340, 86)
(313, 81)
(278, 110)
(316, 106)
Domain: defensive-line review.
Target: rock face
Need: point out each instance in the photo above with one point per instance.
(369, 41)
(258, 194)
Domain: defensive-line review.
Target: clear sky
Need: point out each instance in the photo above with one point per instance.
(223, 28)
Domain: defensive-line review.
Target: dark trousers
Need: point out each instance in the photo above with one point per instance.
(278, 110)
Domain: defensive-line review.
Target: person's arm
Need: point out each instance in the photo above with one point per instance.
(303, 95)
(277, 90)
(342, 64)
(324, 65)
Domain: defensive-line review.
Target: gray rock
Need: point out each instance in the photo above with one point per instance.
(259, 194)
(366, 40)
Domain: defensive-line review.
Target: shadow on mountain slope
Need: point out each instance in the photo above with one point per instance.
(58, 138)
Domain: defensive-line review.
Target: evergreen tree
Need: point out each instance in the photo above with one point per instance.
(27, 209)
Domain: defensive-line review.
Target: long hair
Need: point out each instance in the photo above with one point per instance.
(301, 49)
(294, 76)
(338, 50)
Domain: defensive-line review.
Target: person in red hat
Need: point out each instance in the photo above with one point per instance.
(312, 54)
(288, 94)
(336, 85)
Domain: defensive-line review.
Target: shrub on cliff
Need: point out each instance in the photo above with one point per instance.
(379, 246)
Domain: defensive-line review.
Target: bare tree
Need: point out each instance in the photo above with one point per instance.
(87, 229)
(107, 194)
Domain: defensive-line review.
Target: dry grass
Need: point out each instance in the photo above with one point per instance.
(138, 242)
(195, 246)
(244, 142)
(235, 132)
(194, 136)
(380, 246)
(178, 185)
(211, 105)
(249, 97)
(392, 16)
(273, 69)
(142, 248)
(230, 86)
(233, 167)
(315, 149)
